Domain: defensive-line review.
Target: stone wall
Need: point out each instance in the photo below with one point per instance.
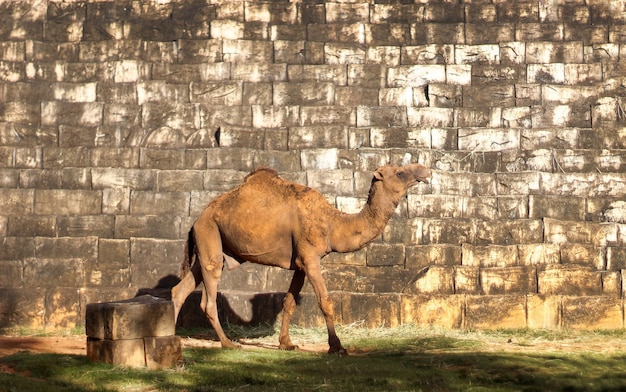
(120, 120)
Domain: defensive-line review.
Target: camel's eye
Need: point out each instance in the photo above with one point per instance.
(400, 174)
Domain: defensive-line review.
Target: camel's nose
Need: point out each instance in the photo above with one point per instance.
(420, 172)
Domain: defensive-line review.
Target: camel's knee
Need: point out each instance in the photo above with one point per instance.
(327, 306)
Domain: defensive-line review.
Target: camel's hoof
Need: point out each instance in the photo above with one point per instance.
(288, 347)
(338, 350)
(230, 344)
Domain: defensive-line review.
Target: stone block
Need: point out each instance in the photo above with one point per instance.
(432, 311)
(127, 352)
(162, 351)
(421, 256)
(489, 33)
(508, 280)
(574, 280)
(16, 201)
(327, 115)
(430, 117)
(135, 318)
(344, 53)
(22, 307)
(495, 312)
(274, 117)
(544, 311)
(583, 254)
(448, 231)
(489, 255)
(466, 280)
(592, 313)
(159, 203)
(539, 254)
(147, 226)
(16, 248)
(385, 255)
(372, 310)
(432, 280)
(12, 274)
(489, 139)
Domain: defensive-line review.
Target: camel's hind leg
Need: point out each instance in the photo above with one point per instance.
(211, 261)
(289, 306)
(186, 286)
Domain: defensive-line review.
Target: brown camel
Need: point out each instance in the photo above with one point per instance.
(271, 221)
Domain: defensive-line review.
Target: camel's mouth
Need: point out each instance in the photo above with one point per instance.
(423, 179)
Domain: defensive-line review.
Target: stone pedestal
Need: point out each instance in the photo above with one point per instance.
(137, 332)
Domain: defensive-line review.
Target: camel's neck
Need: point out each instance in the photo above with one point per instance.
(353, 231)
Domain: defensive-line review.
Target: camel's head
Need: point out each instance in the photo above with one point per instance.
(398, 179)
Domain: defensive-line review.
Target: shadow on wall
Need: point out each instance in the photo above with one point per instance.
(236, 308)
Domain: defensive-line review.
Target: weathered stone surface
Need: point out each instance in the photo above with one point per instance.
(487, 312)
(429, 311)
(592, 313)
(135, 318)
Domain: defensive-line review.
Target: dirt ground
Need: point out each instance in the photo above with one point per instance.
(76, 345)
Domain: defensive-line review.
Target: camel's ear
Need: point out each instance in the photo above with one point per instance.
(378, 174)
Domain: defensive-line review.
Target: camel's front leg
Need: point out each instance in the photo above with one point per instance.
(326, 305)
(289, 306)
(211, 261)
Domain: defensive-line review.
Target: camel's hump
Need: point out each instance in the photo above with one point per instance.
(260, 172)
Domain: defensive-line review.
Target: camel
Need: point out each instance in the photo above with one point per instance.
(271, 221)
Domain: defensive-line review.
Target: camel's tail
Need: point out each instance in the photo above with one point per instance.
(190, 252)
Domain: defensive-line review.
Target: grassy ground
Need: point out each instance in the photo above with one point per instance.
(401, 359)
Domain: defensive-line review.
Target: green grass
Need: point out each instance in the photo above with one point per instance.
(402, 359)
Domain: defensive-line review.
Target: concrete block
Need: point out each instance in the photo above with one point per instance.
(135, 318)
(432, 311)
(592, 313)
(494, 312)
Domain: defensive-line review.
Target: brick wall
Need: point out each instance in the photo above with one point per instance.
(120, 120)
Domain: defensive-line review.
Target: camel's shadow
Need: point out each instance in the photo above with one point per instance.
(254, 313)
